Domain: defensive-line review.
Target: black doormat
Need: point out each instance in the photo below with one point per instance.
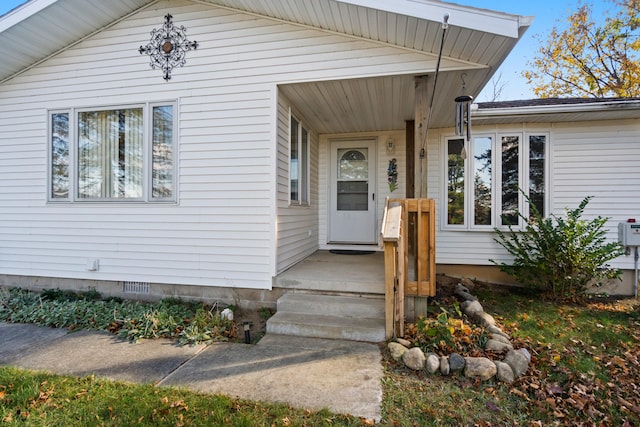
(350, 252)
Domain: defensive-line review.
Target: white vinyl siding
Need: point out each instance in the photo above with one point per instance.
(598, 159)
(226, 225)
(297, 235)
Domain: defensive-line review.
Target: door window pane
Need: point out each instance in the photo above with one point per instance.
(353, 179)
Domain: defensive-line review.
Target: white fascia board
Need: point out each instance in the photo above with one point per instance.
(553, 109)
(19, 14)
(488, 21)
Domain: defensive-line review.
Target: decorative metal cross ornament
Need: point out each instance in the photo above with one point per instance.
(167, 47)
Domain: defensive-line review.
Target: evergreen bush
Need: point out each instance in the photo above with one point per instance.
(563, 257)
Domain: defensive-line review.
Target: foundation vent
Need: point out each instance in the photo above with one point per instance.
(135, 287)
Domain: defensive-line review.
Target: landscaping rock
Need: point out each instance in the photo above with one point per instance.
(504, 372)
(404, 342)
(460, 288)
(495, 330)
(445, 368)
(463, 293)
(498, 337)
(484, 319)
(495, 345)
(468, 283)
(396, 350)
(526, 354)
(517, 361)
(456, 362)
(433, 363)
(471, 307)
(480, 367)
(414, 359)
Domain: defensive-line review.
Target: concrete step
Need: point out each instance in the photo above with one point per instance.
(328, 305)
(329, 316)
(323, 326)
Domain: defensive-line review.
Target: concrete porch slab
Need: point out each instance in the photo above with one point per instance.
(335, 273)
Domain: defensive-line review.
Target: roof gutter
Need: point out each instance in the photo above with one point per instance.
(488, 21)
(552, 109)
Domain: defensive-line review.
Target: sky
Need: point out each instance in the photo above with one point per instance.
(546, 13)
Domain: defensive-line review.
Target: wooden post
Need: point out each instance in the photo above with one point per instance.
(421, 114)
(410, 157)
(389, 282)
(432, 246)
(391, 235)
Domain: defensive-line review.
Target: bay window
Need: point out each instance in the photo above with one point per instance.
(113, 154)
(485, 177)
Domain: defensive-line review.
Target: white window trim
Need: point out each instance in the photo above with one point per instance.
(469, 184)
(147, 191)
(496, 180)
(445, 187)
(302, 203)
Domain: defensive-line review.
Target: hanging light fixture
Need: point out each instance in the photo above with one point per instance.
(463, 113)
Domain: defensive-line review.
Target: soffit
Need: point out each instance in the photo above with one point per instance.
(40, 28)
(477, 41)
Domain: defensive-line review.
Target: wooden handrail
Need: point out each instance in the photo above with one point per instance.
(391, 236)
(408, 236)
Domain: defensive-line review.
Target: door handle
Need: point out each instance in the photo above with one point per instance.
(373, 196)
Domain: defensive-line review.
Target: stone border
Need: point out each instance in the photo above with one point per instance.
(515, 363)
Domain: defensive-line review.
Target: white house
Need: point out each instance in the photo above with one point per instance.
(215, 170)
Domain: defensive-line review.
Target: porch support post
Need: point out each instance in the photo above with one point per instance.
(410, 135)
(421, 114)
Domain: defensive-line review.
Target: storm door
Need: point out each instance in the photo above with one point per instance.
(352, 215)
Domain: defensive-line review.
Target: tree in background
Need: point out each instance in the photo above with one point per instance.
(587, 59)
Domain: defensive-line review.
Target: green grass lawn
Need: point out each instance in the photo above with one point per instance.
(585, 371)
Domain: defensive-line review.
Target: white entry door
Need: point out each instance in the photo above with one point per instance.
(352, 214)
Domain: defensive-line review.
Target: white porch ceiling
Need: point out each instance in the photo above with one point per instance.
(479, 38)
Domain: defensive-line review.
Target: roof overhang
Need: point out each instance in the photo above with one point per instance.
(555, 110)
(477, 40)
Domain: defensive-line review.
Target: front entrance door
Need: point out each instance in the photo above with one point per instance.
(352, 214)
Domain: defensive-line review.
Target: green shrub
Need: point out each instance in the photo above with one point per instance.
(563, 257)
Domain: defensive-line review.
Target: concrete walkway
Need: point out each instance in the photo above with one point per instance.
(342, 376)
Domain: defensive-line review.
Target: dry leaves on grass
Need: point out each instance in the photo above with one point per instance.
(584, 395)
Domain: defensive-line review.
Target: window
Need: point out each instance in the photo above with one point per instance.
(299, 163)
(485, 175)
(116, 154)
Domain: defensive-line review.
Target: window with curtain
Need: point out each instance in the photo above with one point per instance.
(485, 177)
(112, 155)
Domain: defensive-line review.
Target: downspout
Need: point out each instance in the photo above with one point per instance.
(423, 180)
